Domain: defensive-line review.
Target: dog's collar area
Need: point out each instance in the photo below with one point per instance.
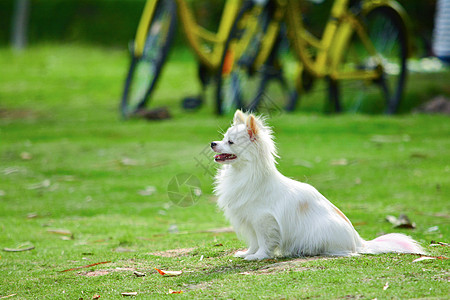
(224, 157)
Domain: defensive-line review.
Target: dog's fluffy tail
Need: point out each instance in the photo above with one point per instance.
(393, 242)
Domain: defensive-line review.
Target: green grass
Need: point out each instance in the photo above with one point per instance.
(68, 162)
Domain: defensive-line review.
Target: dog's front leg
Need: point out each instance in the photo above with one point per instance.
(267, 233)
(262, 251)
(252, 241)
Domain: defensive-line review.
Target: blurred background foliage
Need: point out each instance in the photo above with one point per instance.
(113, 22)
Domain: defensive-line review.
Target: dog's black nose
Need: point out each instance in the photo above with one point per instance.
(213, 144)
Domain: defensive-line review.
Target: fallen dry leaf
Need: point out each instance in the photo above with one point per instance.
(8, 296)
(67, 178)
(402, 222)
(129, 294)
(442, 215)
(138, 274)
(434, 244)
(86, 266)
(361, 223)
(149, 190)
(60, 231)
(19, 249)
(175, 292)
(26, 156)
(218, 230)
(390, 138)
(10, 170)
(32, 215)
(173, 229)
(126, 161)
(67, 235)
(433, 229)
(168, 273)
(422, 258)
(391, 219)
(418, 155)
(245, 273)
(123, 250)
(44, 184)
(339, 162)
(96, 297)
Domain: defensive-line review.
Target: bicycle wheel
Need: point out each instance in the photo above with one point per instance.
(144, 70)
(387, 33)
(237, 83)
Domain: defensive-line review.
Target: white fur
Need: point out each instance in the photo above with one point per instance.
(278, 216)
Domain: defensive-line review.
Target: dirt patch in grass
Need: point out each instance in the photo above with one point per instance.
(293, 265)
(95, 273)
(277, 267)
(173, 252)
(199, 286)
(16, 114)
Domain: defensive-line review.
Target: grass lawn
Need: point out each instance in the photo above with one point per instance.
(85, 188)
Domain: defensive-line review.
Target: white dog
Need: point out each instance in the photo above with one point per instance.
(276, 215)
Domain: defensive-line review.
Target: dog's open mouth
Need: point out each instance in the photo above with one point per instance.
(224, 157)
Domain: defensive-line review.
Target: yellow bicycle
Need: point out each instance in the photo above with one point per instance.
(153, 39)
(363, 42)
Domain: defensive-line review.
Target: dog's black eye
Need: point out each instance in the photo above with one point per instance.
(230, 142)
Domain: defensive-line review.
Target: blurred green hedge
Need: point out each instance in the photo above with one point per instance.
(114, 22)
(106, 22)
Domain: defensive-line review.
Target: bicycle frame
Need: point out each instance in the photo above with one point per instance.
(142, 31)
(195, 33)
(334, 41)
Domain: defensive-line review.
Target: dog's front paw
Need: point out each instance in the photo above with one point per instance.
(256, 256)
(241, 254)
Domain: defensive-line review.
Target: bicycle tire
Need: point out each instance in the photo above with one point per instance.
(388, 34)
(237, 70)
(144, 70)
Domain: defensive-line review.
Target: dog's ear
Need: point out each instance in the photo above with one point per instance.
(252, 127)
(239, 117)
